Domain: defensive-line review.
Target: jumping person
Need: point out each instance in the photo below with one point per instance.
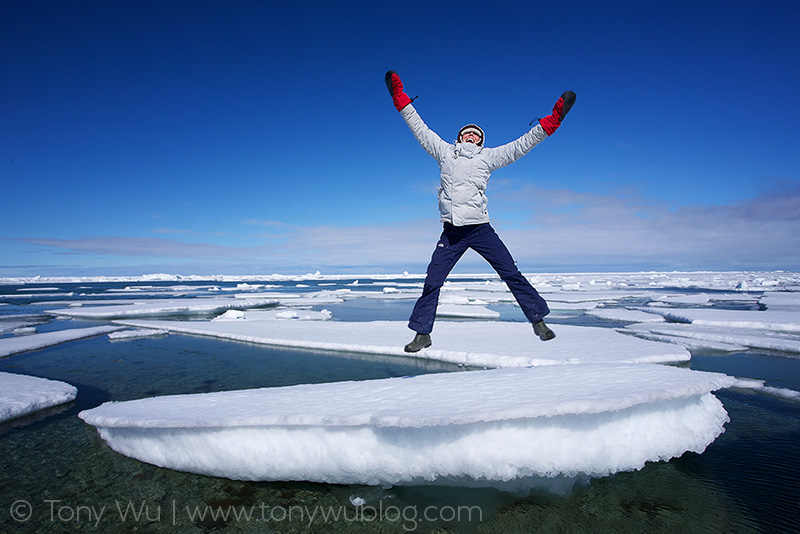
(465, 170)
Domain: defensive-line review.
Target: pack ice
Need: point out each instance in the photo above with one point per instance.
(589, 403)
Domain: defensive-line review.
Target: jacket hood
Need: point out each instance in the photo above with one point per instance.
(471, 127)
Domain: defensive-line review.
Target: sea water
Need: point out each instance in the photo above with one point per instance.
(59, 476)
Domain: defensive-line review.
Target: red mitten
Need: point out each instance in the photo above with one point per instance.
(560, 110)
(395, 87)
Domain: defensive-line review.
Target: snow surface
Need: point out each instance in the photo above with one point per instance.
(478, 343)
(14, 345)
(22, 394)
(488, 426)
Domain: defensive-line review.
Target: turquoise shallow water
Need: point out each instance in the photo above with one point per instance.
(59, 476)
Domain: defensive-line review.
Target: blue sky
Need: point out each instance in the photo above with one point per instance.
(243, 137)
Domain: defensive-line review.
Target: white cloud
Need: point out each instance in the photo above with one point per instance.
(558, 229)
(762, 232)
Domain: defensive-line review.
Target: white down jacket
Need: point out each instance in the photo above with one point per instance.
(466, 168)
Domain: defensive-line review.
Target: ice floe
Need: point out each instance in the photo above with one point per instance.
(136, 334)
(15, 323)
(474, 343)
(783, 301)
(749, 383)
(14, 345)
(278, 314)
(719, 337)
(21, 394)
(779, 321)
(625, 315)
(490, 426)
(298, 299)
(466, 310)
(161, 308)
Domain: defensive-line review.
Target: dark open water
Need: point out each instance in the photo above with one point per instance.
(58, 475)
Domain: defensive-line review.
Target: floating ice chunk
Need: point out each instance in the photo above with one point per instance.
(300, 299)
(22, 394)
(483, 426)
(490, 344)
(274, 315)
(621, 314)
(24, 330)
(592, 296)
(162, 308)
(230, 315)
(14, 345)
(696, 299)
(11, 323)
(751, 383)
(136, 334)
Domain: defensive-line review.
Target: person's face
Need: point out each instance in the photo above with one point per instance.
(470, 137)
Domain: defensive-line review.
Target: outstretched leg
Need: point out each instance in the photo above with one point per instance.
(488, 244)
(449, 249)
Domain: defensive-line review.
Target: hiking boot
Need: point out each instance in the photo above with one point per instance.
(543, 331)
(421, 341)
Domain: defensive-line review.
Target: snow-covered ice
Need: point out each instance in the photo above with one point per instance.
(135, 334)
(12, 323)
(298, 299)
(624, 315)
(466, 310)
(719, 337)
(22, 394)
(784, 301)
(775, 320)
(161, 308)
(489, 426)
(474, 343)
(697, 299)
(278, 314)
(14, 345)
(749, 383)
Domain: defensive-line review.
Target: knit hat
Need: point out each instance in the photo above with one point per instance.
(471, 128)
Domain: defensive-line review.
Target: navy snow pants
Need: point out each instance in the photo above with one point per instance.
(452, 245)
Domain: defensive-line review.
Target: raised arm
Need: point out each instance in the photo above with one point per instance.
(511, 152)
(430, 140)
